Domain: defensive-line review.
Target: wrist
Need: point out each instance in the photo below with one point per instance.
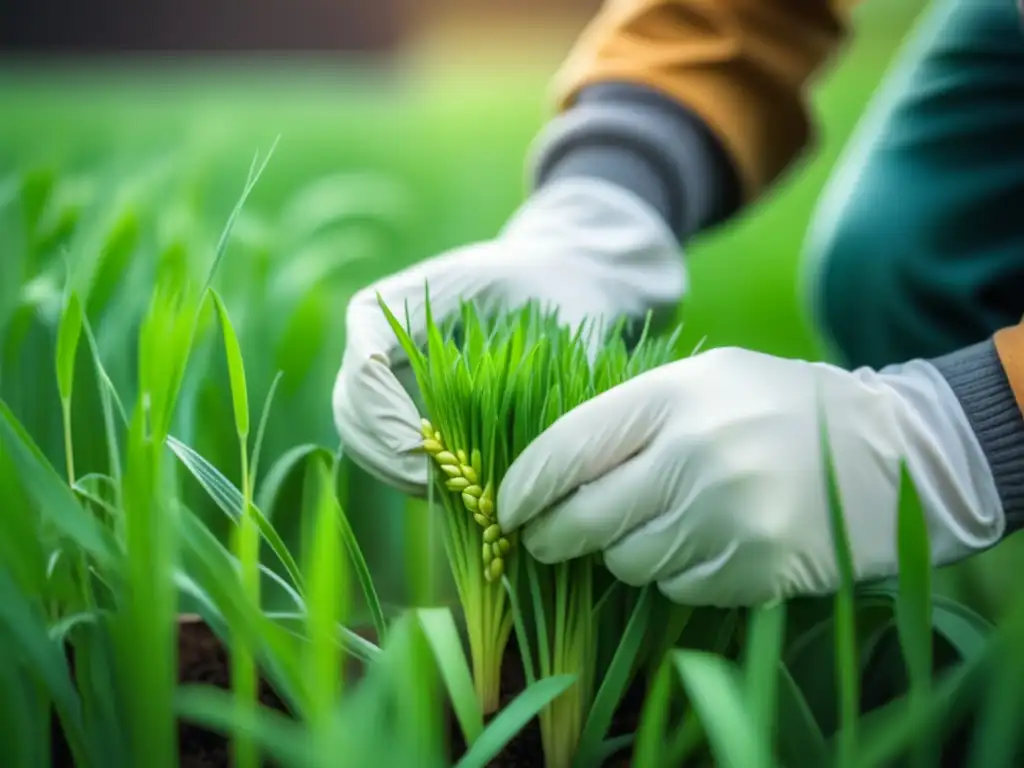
(586, 215)
(978, 380)
(946, 459)
(641, 140)
(611, 241)
(621, 166)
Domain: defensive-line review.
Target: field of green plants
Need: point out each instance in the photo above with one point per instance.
(178, 246)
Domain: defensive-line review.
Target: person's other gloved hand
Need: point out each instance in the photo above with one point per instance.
(592, 250)
(706, 476)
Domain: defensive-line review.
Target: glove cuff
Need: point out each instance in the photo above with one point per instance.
(977, 378)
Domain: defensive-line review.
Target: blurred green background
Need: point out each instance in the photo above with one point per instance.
(380, 163)
(448, 127)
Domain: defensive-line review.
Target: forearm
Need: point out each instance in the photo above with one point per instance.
(639, 139)
(696, 106)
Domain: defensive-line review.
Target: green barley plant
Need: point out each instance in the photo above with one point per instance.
(162, 451)
(486, 399)
(98, 561)
(96, 567)
(42, 620)
(100, 235)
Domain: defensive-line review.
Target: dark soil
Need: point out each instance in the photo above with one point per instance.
(203, 659)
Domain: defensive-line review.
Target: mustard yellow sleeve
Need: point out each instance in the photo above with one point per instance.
(742, 66)
(1009, 344)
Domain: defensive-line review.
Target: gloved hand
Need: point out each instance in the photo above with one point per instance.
(591, 249)
(707, 476)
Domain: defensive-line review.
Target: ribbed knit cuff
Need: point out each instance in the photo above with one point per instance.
(640, 140)
(976, 376)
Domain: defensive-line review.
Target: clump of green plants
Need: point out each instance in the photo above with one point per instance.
(135, 498)
(487, 397)
(105, 564)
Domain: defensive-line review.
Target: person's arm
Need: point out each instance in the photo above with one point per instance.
(695, 105)
(988, 381)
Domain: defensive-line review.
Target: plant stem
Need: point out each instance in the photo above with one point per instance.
(572, 653)
(487, 644)
(69, 449)
(82, 563)
(484, 604)
(83, 652)
(243, 666)
(486, 673)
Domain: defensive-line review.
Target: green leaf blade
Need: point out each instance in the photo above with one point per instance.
(513, 718)
(443, 637)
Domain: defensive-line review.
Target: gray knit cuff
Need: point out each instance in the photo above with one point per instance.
(643, 141)
(976, 376)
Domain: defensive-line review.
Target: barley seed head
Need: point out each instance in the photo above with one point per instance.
(463, 477)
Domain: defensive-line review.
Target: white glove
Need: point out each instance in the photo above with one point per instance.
(589, 248)
(707, 476)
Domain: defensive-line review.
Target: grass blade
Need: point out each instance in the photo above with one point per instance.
(764, 650)
(24, 627)
(616, 677)
(53, 497)
(261, 429)
(211, 567)
(967, 631)
(358, 562)
(236, 367)
(418, 716)
(230, 500)
(222, 244)
(714, 690)
(443, 637)
(513, 718)
(145, 624)
(69, 332)
(279, 736)
(996, 739)
(913, 605)
(109, 401)
(650, 738)
(245, 676)
(351, 642)
(26, 728)
(845, 608)
(893, 726)
(801, 741)
(281, 471)
(522, 636)
(327, 607)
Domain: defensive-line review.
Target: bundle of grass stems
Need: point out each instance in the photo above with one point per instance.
(490, 385)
